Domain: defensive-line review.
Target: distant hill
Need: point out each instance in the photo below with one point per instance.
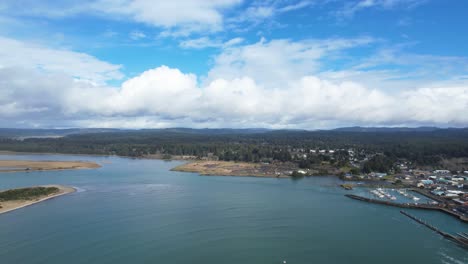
(21, 133)
(387, 129)
(210, 131)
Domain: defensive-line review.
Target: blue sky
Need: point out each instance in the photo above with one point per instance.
(233, 63)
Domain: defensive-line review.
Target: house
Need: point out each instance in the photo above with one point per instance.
(427, 182)
(442, 180)
(455, 192)
(438, 192)
(460, 202)
(441, 171)
(453, 183)
(378, 174)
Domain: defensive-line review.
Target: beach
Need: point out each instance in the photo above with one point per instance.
(7, 206)
(29, 165)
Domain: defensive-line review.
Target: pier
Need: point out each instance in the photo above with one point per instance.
(409, 205)
(461, 239)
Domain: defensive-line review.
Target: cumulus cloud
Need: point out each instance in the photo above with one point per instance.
(166, 97)
(276, 84)
(275, 63)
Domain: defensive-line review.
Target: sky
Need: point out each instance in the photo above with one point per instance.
(280, 64)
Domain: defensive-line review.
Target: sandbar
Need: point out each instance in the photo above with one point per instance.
(29, 165)
(8, 206)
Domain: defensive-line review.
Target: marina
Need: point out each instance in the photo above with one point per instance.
(425, 206)
(400, 195)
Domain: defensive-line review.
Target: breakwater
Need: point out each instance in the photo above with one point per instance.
(409, 205)
(461, 240)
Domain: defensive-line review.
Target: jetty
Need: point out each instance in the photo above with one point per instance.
(410, 205)
(461, 239)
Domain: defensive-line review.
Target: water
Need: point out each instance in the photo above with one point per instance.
(137, 211)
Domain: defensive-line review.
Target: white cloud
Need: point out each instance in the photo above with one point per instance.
(205, 42)
(14, 53)
(296, 6)
(262, 11)
(275, 63)
(353, 7)
(200, 43)
(137, 35)
(276, 84)
(166, 97)
(168, 13)
(196, 15)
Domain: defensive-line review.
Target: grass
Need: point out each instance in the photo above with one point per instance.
(27, 193)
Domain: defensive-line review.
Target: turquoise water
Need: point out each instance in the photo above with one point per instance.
(137, 211)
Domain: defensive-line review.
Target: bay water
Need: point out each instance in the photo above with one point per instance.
(138, 211)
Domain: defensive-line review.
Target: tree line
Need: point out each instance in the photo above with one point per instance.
(424, 148)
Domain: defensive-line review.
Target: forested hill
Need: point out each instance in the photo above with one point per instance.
(388, 129)
(424, 146)
(18, 133)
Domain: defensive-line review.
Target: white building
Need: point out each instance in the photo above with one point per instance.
(441, 171)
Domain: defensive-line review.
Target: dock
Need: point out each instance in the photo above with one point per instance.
(460, 239)
(409, 205)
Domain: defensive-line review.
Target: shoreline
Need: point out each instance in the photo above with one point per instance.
(229, 168)
(8, 152)
(7, 166)
(18, 204)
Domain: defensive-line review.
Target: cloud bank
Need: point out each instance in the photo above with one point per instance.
(274, 84)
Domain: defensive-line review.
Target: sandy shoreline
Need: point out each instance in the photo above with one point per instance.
(229, 168)
(9, 206)
(30, 165)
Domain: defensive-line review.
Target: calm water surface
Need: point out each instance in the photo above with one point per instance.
(137, 211)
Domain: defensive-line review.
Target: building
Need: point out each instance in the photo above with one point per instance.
(427, 182)
(441, 171)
